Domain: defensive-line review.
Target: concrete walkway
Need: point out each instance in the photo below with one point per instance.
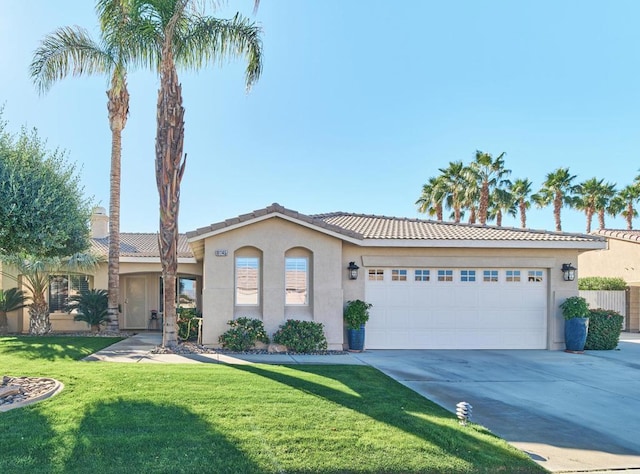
(569, 412)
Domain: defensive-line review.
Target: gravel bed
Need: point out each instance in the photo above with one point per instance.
(29, 388)
(189, 347)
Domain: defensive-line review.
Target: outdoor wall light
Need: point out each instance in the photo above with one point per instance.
(568, 272)
(353, 271)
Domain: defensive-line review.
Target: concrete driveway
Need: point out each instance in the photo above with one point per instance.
(570, 412)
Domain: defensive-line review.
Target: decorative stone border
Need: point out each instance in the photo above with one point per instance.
(16, 392)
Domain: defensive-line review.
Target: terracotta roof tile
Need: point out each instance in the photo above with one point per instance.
(631, 235)
(140, 245)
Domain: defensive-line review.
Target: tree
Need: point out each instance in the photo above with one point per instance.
(71, 51)
(587, 195)
(430, 201)
(606, 194)
(36, 274)
(43, 210)
(184, 36)
(624, 202)
(455, 179)
(520, 191)
(557, 189)
(489, 173)
(91, 307)
(501, 202)
(10, 300)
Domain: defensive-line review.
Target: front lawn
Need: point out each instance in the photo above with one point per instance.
(230, 419)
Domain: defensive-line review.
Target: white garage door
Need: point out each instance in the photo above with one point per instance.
(454, 308)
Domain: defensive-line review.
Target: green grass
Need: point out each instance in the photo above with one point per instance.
(146, 418)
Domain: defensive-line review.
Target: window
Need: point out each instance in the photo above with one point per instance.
(490, 275)
(376, 274)
(61, 287)
(534, 276)
(467, 275)
(247, 280)
(398, 275)
(445, 275)
(422, 275)
(513, 275)
(296, 277)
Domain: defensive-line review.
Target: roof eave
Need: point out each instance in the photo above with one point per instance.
(468, 243)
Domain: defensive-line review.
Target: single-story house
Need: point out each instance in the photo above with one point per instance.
(620, 258)
(433, 285)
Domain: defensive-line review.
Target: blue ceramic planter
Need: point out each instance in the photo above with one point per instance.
(575, 333)
(355, 338)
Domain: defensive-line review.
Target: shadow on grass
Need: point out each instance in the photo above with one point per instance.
(27, 442)
(405, 410)
(132, 436)
(53, 348)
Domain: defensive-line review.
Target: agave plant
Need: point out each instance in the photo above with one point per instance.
(10, 300)
(91, 306)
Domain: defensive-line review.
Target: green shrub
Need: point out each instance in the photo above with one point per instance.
(604, 330)
(601, 283)
(301, 336)
(356, 313)
(243, 334)
(187, 324)
(91, 306)
(575, 307)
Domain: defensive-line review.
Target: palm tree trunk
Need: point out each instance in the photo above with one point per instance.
(629, 216)
(118, 107)
(589, 214)
(4, 323)
(499, 218)
(557, 206)
(523, 214)
(484, 203)
(439, 211)
(601, 218)
(169, 170)
(39, 322)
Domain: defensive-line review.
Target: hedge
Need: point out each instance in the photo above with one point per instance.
(604, 330)
(601, 283)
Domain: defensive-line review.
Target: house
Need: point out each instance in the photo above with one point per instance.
(433, 285)
(620, 258)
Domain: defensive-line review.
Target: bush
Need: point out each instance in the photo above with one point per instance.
(604, 330)
(356, 313)
(601, 283)
(301, 336)
(575, 307)
(243, 334)
(91, 306)
(187, 324)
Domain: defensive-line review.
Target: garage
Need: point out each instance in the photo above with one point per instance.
(456, 308)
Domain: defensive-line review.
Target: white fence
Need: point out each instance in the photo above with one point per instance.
(607, 299)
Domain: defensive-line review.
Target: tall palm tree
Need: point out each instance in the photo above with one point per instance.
(557, 189)
(490, 173)
(186, 37)
(431, 198)
(455, 179)
(588, 193)
(10, 300)
(607, 193)
(71, 51)
(624, 203)
(501, 202)
(520, 191)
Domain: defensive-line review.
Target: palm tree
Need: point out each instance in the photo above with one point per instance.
(557, 189)
(606, 194)
(91, 306)
(501, 202)
(71, 51)
(490, 173)
(624, 203)
(184, 36)
(520, 191)
(587, 196)
(10, 300)
(430, 201)
(36, 274)
(455, 179)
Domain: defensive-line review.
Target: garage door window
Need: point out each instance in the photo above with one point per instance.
(376, 274)
(490, 276)
(398, 275)
(445, 275)
(422, 275)
(534, 276)
(513, 275)
(467, 275)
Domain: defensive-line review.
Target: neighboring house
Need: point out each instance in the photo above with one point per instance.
(620, 258)
(433, 285)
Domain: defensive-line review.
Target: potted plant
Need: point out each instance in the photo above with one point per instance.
(356, 314)
(575, 311)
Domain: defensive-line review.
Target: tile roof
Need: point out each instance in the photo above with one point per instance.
(140, 245)
(383, 227)
(631, 235)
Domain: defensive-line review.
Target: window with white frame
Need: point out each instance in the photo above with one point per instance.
(467, 275)
(445, 275)
(247, 281)
(490, 276)
(376, 274)
(398, 275)
(422, 275)
(62, 287)
(296, 277)
(513, 275)
(534, 276)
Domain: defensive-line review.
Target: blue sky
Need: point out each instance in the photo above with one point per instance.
(360, 102)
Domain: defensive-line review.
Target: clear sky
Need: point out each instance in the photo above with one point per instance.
(360, 102)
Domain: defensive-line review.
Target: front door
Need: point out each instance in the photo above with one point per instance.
(135, 303)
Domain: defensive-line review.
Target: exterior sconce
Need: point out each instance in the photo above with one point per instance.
(568, 272)
(353, 271)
